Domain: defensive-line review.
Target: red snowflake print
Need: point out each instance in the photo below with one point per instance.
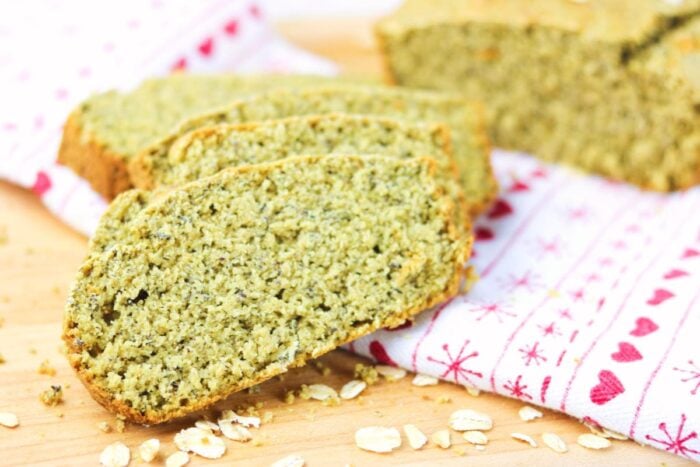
(693, 375)
(547, 247)
(676, 443)
(528, 281)
(606, 262)
(565, 314)
(497, 310)
(517, 389)
(619, 244)
(549, 330)
(632, 228)
(577, 295)
(579, 213)
(455, 365)
(532, 354)
(539, 173)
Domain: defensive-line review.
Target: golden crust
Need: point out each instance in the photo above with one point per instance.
(105, 170)
(155, 417)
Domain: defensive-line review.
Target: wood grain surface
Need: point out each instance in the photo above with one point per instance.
(37, 262)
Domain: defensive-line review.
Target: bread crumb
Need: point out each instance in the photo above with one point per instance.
(52, 396)
(119, 425)
(321, 367)
(254, 389)
(378, 439)
(45, 368)
(443, 399)
(2, 359)
(32, 350)
(115, 455)
(459, 451)
(4, 238)
(257, 443)
(474, 392)
(366, 373)
(289, 397)
(267, 417)
(442, 439)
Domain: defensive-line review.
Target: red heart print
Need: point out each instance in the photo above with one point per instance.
(483, 233)
(690, 253)
(607, 389)
(500, 209)
(644, 326)
(626, 353)
(179, 65)
(231, 28)
(42, 183)
(380, 354)
(518, 186)
(660, 296)
(206, 47)
(674, 273)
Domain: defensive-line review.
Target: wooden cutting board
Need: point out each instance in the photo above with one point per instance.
(37, 262)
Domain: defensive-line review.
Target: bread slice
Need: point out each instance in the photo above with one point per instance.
(106, 130)
(208, 150)
(224, 282)
(465, 119)
(609, 86)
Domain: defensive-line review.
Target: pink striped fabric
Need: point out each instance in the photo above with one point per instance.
(589, 298)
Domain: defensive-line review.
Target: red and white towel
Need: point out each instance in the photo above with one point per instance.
(589, 298)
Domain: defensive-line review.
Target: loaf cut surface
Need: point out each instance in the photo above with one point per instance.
(208, 150)
(610, 86)
(465, 120)
(108, 129)
(224, 282)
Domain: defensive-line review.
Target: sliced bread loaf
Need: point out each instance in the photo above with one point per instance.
(229, 280)
(106, 130)
(208, 150)
(465, 120)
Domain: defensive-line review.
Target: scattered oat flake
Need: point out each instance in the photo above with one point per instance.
(235, 432)
(207, 425)
(201, 442)
(424, 380)
(321, 392)
(591, 441)
(115, 455)
(391, 373)
(524, 438)
(245, 421)
(416, 438)
(441, 438)
(8, 419)
(527, 413)
(554, 442)
(378, 439)
(468, 419)
(177, 459)
(475, 437)
(293, 460)
(474, 392)
(352, 389)
(614, 435)
(149, 449)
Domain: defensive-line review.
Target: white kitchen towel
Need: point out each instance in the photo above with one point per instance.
(589, 297)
